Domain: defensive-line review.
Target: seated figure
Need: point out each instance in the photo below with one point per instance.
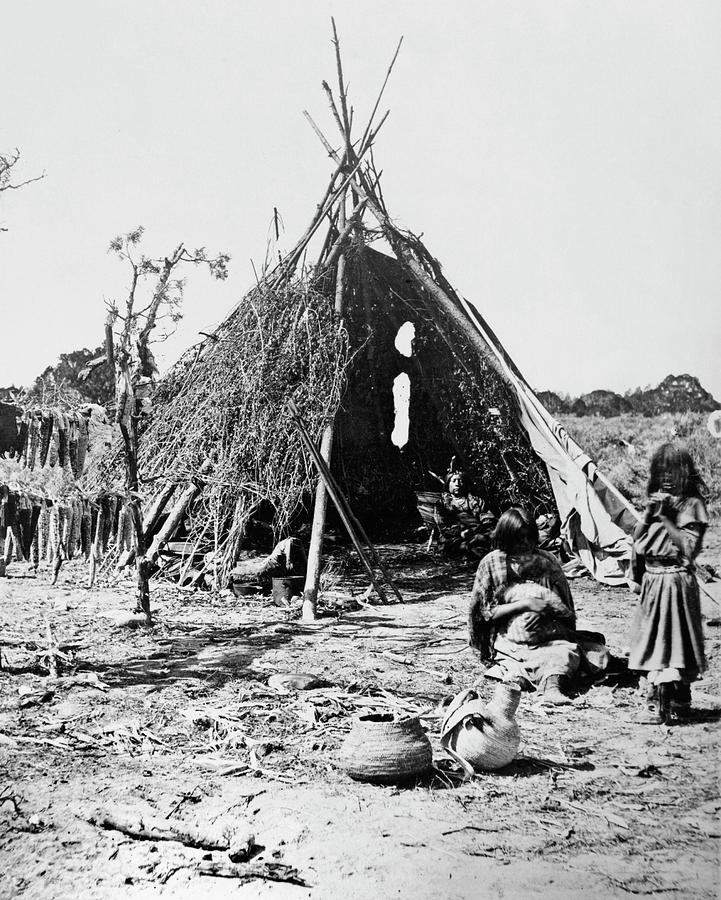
(288, 557)
(466, 524)
(522, 618)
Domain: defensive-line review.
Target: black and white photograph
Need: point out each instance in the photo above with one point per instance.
(360, 449)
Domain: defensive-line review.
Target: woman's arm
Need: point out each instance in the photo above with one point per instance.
(526, 597)
(684, 522)
(479, 623)
(506, 610)
(559, 608)
(558, 583)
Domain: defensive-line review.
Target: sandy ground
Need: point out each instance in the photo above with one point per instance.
(178, 722)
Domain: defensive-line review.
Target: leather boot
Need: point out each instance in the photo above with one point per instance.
(680, 698)
(659, 712)
(550, 691)
(652, 698)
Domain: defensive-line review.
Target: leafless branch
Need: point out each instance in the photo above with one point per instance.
(7, 163)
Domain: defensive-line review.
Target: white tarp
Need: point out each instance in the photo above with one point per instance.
(596, 519)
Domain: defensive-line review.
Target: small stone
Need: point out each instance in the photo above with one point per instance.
(241, 847)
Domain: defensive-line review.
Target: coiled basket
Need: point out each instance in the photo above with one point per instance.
(386, 751)
(482, 736)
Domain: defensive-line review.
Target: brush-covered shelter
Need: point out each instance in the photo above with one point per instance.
(327, 334)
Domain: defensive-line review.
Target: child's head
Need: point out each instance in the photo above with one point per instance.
(456, 484)
(516, 530)
(673, 471)
(531, 569)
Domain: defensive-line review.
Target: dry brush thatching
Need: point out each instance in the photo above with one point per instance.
(225, 402)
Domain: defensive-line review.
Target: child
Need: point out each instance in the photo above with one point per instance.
(530, 627)
(666, 633)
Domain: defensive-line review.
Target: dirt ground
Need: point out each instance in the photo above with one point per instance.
(178, 722)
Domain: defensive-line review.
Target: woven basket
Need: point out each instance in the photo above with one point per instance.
(385, 751)
(483, 736)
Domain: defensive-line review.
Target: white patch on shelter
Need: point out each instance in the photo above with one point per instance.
(404, 339)
(401, 403)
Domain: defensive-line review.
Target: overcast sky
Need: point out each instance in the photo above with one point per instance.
(560, 158)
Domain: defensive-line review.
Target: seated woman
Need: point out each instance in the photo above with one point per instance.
(466, 524)
(522, 616)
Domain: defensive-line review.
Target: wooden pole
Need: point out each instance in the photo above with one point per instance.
(405, 254)
(337, 498)
(315, 550)
(150, 520)
(4, 493)
(291, 260)
(96, 548)
(337, 248)
(362, 533)
(7, 549)
(175, 516)
(347, 513)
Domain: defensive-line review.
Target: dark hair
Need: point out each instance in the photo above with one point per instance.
(677, 459)
(516, 528)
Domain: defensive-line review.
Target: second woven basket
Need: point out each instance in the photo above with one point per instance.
(386, 751)
(482, 735)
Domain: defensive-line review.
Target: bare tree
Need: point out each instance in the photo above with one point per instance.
(8, 163)
(154, 297)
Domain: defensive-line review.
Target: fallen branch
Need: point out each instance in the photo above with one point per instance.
(266, 871)
(52, 653)
(611, 818)
(472, 828)
(153, 828)
(409, 662)
(10, 798)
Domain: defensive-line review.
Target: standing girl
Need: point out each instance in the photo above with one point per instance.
(666, 633)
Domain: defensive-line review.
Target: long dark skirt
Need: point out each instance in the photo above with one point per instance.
(666, 632)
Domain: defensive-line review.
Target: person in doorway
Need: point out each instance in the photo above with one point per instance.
(466, 523)
(666, 633)
(522, 618)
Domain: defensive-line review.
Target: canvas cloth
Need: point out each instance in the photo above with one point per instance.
(596, 519)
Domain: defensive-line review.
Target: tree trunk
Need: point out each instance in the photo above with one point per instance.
(142, 566)
(129, 430)
(150, 520)
(95, 550)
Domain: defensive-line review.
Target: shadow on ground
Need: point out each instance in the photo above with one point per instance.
(216, 654)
